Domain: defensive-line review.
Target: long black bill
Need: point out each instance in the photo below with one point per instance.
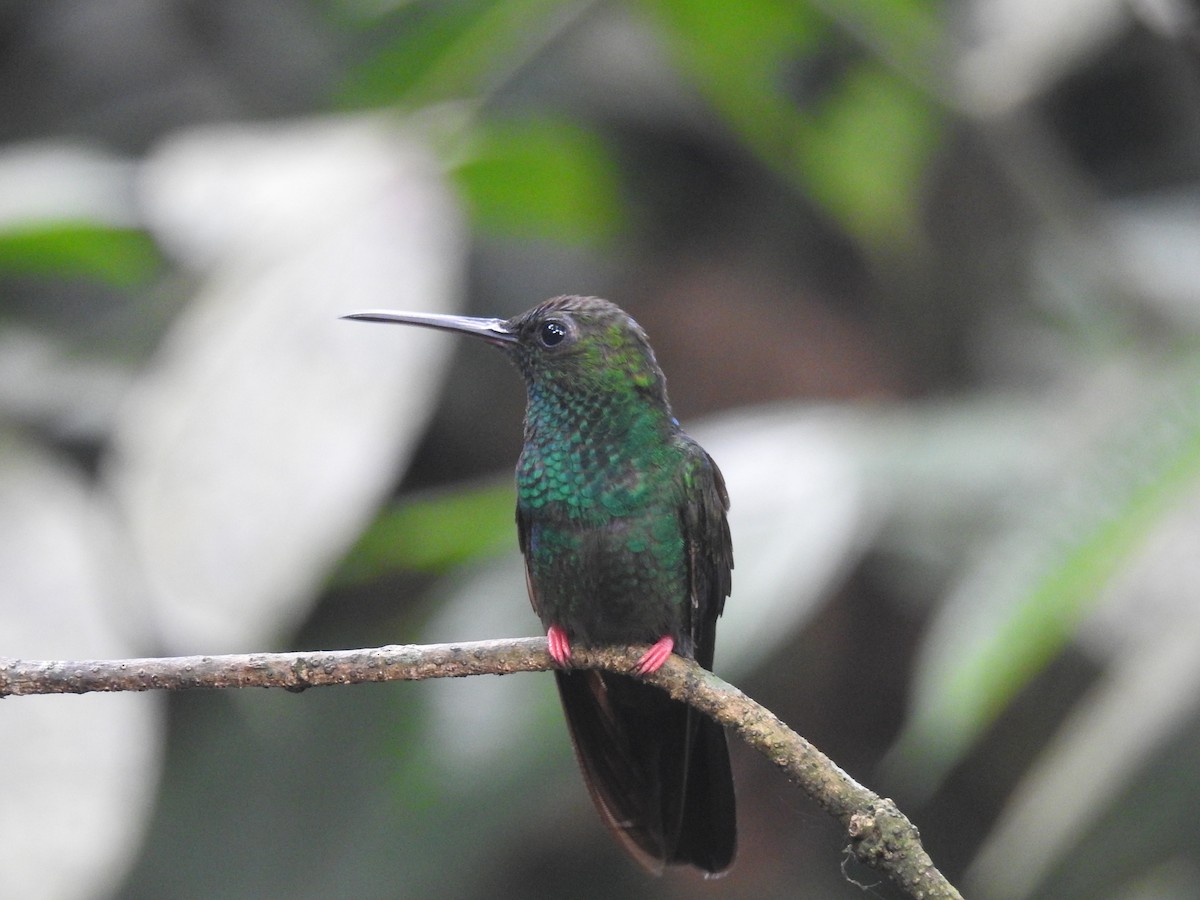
(494, 331)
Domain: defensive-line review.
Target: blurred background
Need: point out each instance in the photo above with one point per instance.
(924, 279)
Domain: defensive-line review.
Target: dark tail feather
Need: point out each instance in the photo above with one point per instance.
(657, 770)
(708, 832)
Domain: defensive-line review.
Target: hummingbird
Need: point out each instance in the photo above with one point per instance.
(621, 519)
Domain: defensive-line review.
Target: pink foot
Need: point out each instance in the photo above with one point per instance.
(560, 648)
(653, 658)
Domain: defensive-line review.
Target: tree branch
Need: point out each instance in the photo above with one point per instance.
(879, 834)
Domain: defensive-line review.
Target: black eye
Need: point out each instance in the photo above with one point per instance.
(552, 333)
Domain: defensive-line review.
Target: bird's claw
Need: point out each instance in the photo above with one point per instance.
(653, 658)
(560, 647)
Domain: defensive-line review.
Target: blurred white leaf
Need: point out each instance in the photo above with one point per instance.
(1018, 48)
(79, 772)
(800, 518)
(51, 182)
(1157, 239)
(487, 601)
(44, 383)
(267, 431)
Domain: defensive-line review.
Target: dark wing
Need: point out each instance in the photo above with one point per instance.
(523, 527)
(709, 547)
(707, 834)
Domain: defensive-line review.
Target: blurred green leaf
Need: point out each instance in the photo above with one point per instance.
(860, 147)
(435, 532)
(863, 151)
(544, 179)
(743, 55)
(449, 50)
(122, 257)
